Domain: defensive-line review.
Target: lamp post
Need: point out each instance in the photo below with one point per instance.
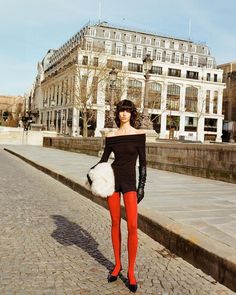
(112, 77)
(147, 65)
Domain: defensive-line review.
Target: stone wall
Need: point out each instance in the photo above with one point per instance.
(215, 161)
(89, 145)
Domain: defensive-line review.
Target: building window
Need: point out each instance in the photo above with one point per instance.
(215, 101)
(154, 95)
(89, 45)
(210, 125)
(192, 75)
(168, 57)
(134, 91)
(190, 124)
(215, 77)
(209, 63)
(133, 67)
(108, 47)
(173, 97)
(158, 43)
(139, 53)
(186, 59)
(119, 49)
(83, 87)
(176, 45)
(138, 39)
(129, 50)
(205, 50)
(85, 61)
(148, 41)
(208, 77)
(191, 97)
(114, 64)
(185, 47)
(94, 90)
(195, 61)
(95, 61)
(149, 51)
(208, 96)
(174, 72)
(194, 48)
(159, 55)
(117, 91)
(167, 44)
(128, 38)
(177, 58)
(92, 32)
(117, 35)
(156, 70)
(107, 34)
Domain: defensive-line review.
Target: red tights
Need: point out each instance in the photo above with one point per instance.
(130, 201)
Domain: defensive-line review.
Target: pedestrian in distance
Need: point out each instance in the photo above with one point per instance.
(127, 143)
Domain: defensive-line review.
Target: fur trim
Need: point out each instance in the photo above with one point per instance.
(103, 180)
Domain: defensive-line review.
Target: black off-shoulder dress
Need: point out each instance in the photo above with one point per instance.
(126, 149)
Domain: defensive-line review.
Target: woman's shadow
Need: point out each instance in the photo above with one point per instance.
(69, 233)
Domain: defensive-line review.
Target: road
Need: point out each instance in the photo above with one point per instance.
(55, 241)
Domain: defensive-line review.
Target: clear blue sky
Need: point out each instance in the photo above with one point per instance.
(28, 28)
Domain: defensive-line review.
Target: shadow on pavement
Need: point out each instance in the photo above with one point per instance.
(69, 233)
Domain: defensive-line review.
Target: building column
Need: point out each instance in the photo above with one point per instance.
(100, 119)
(75, 122)
(219, 102)
(163, 111)
(219, 129)
(163, 125)
(200, 129)
(182, 124)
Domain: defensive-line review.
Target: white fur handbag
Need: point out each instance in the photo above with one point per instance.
(103, 180)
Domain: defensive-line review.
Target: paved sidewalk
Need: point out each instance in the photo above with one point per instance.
(198, 205)
(53, 241)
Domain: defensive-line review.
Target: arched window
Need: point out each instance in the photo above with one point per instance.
(154, 95)
(173, 97)
(134, 91)
(191, 96)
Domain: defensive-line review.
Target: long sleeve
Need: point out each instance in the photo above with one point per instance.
(142, 154)
(106, 153)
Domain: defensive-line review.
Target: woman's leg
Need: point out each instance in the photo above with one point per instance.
(130, 200)
(114, 208)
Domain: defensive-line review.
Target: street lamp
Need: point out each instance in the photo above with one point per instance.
(112, 77)
(147, 66)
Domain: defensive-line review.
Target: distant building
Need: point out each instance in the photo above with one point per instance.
(229, 100)
(11, 110)
(185, 88)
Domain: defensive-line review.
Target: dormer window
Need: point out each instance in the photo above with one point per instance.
(138, 39)
(118, 36)
(107, 34)
(92, 32)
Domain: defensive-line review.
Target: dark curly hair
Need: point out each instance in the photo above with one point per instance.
(129, 106)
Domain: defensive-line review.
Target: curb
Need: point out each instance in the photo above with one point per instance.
(212, 257)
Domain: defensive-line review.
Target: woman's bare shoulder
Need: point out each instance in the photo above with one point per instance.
(110, 134)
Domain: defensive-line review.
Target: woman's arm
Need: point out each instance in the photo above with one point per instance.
(142, 171)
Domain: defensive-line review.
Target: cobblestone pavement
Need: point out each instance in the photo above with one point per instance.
(55, 241)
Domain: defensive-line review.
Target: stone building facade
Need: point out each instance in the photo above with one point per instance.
(229, 99)
(185, 87)
(13, 106)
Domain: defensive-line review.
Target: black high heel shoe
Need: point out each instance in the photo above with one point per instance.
(111, 278)
(132, 287)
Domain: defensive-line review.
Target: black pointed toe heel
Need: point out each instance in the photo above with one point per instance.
(111, 278)
(132, 287)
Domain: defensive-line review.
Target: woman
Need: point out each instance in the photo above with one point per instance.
(127, 143)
